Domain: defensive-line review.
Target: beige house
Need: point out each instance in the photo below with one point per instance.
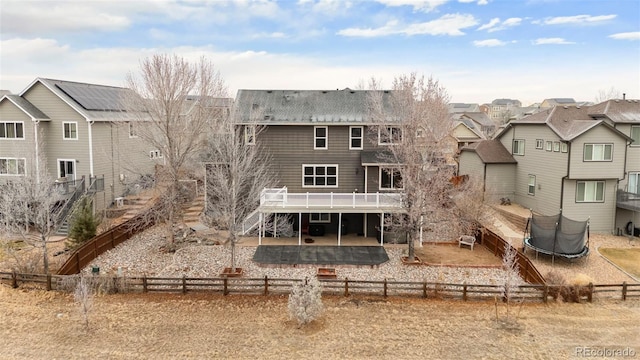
(82, 134)
(581, 160)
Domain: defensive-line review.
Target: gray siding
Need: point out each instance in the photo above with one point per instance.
(17, 148)
(614, 169)
(601, 215)
(500, 181)
(633, 156)
(471, 165)
(292, 146)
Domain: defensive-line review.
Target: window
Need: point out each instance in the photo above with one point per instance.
(590, 191)
(70, 130)
(390, 179)
(249, 135)
(598, 152)
(12, 166)
(319, 218)
(132, 131)
(539, 144)
(634, 183)
(391, 135)
(319, 175)
(67, 168)
(635, 135)
(518, 147)
(155, 154)
(556, 146)
(532, 185)
(320, 137)
(355, 137)
(11, 130)
(548, 146)
(564, 147)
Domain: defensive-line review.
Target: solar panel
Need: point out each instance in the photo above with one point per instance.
(93, 97)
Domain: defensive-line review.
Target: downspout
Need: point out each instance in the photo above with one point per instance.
(37, 157)
(564, 178)
(90, 151)
(484, 181)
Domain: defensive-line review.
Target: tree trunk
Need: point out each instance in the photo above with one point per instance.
(45, 256)
(412, 251)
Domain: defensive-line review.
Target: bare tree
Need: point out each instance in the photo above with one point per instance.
(32, 206)
(414, 119)
(511, 275)
(83, 296)
(174, 101)
(305, 301)
(604, 95)
(237, 170)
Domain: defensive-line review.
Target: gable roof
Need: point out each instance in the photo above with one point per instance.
(28, 108)
(463, 107)
(618, 111)
(289, 107)
(471, 126)
(491, 152)
(94, 102)
(480, 118)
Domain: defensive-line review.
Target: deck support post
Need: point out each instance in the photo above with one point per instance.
(259, 228)
(299, 228)
(339, 227)
(382, 229)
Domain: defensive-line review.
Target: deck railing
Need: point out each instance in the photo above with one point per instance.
(628, 200)
(282, 198)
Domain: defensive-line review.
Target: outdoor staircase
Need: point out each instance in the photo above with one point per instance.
(134, 205)
(63, 229)
(518, 222)
(191, 213)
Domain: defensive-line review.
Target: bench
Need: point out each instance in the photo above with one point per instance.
(466, 240)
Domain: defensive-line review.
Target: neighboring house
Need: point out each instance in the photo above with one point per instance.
(501, 110)
(455, 108)
(493, 164)
(549, 103)
(571, 158)
(325, 151)
(466, 132)
(80, 131)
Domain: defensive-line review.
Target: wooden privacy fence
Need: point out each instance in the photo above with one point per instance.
(101, 243)
(496, 245)
(345, 287)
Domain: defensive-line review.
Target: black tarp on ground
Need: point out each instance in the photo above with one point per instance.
(320, 255)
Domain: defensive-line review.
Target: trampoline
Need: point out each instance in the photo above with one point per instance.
(557, 235)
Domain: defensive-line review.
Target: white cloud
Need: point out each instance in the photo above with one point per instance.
(330, 7)
(551, 41)
(480, 2)
(418, 5)
(576, 19)
(496, 25)
(489, 43)
(450, 24)
(626, 36)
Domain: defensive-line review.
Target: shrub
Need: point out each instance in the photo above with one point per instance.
(83, 224)
(305, 301)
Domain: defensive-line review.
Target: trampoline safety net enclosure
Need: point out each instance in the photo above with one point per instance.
(558, 235)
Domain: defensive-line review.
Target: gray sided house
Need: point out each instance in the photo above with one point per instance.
(576, 159)
(325, 152)
(79, 132)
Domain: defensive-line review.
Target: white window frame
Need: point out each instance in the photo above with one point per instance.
(634, 182)
(383, 140)
(5, 125)
(531, 189)
(132, 131)
(593, 183)
(548, 146)
(564, 147)
(390, 171)
(155, 154)
(319, 218)
(593, 148)
(516, 150)
(636, 142)
(16, 166)
(539, 144)
(64, 130)
(316, 138)
(249, 135)
(351, 138)
(315, 176)
(556, 146)
(75, 168)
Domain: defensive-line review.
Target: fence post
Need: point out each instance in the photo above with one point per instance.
(545, 293)
(346, 287)
(14, 280)
(385, 287)
(48, 282)
(590, 295)
(624, 291)
(464, 292)
(266, 286)
(224, 286)
(424, 290)
(144, 284)
(184, 284)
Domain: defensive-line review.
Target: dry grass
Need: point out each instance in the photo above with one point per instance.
(627, 259)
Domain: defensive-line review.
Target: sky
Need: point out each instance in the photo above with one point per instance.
(479, 50)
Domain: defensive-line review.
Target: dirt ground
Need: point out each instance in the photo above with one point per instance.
(47, 325)
(455, 255)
